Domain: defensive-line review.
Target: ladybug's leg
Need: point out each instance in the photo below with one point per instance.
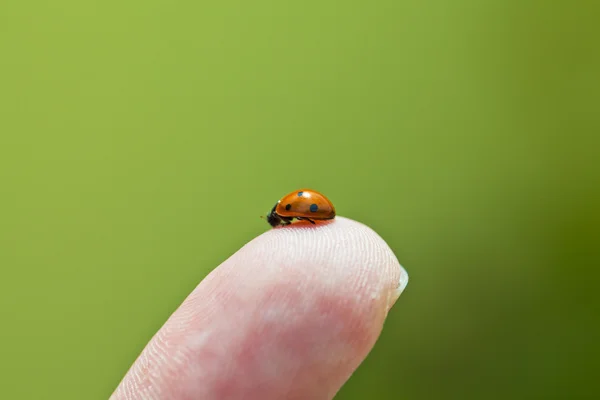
(307, 219)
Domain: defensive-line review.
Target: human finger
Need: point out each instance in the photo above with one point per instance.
(289, 316)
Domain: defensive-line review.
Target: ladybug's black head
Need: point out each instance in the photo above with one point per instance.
(273, 219)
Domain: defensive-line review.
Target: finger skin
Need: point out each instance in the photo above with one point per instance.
(289, 316)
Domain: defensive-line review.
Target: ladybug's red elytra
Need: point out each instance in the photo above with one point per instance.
(303, 204)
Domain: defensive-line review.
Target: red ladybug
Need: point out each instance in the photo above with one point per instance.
(303, 204)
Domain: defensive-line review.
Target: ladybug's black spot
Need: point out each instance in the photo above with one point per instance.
(300, 194)
(288, 206)
(314, 207)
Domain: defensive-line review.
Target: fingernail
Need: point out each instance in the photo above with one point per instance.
(402, 282)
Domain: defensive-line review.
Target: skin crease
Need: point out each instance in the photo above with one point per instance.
(291, 315)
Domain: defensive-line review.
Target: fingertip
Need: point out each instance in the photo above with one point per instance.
(341, 255)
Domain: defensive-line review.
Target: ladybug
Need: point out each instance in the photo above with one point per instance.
(303, 204)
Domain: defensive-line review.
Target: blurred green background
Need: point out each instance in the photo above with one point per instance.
(140, 142)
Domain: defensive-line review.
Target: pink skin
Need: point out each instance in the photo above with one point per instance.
(291, 315)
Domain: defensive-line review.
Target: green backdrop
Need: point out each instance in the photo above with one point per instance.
(140, 142)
